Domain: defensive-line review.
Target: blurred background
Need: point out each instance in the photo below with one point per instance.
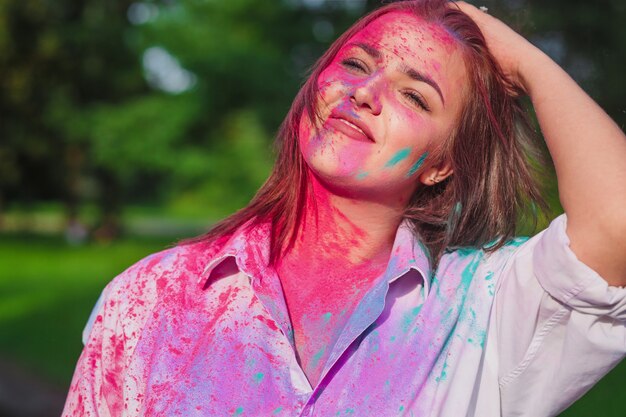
(127, 125)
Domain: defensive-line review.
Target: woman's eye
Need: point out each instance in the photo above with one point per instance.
(354, 64)
(417, 99)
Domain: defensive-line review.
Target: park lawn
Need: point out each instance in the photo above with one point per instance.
(48, 288)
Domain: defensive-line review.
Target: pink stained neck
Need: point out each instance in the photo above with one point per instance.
(342, 246)
(342, 230)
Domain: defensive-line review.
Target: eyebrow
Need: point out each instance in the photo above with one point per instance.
(418, 76)
(371, 51)
(410, 72)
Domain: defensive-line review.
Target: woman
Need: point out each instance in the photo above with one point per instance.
(375, 273)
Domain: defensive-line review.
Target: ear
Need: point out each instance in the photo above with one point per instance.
(436, 173)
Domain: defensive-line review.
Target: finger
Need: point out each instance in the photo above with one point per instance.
(466, 7)
(472, 11)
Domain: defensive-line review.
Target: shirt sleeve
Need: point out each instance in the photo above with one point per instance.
(100, 385)
(559, 326)
(95, 312)
(96, 385)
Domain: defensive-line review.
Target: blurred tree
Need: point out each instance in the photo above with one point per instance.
(176, 101)
(142, 98)
(588, 40)
(57, 59)
(240, 63)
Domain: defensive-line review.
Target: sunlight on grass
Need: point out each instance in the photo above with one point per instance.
(47, 290)
(15, 306)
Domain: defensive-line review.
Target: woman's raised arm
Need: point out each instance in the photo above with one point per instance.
(586, 145)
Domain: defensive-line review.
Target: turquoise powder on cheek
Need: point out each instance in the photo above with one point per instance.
(399, 156)
(417, 164)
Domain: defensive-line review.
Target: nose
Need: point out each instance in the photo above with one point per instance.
(366, 96)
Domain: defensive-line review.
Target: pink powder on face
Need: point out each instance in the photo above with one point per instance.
(421, 47)
(347, 154)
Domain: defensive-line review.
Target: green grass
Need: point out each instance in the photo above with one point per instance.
(47, 290)
(605, 399)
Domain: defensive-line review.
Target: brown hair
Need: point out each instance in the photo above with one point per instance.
(491, 150)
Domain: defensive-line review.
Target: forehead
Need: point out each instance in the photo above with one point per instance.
(407, 39)
(404, 31)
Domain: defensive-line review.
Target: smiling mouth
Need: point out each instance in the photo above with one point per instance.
(352, 125)
(348, 128)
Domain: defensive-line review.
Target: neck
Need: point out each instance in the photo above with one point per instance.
(347, 233)
(342, 245)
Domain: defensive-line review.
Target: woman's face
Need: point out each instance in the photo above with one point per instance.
(390, 96)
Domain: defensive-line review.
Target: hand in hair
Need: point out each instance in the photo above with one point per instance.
(509, 48)
(587, 147)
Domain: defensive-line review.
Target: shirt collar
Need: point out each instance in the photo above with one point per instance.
(408, 253)
(250, 246)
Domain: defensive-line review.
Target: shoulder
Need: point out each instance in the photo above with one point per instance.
(182, 260)
(469, 262)
(484, 254)
(162, 275)
(509, 249)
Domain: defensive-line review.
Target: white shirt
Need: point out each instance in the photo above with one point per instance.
(522, 331)
(557, 328)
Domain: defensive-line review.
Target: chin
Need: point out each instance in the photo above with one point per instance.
(350, 185)
(328, 172)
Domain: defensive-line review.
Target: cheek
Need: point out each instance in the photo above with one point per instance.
(334, 83)
(412, 136)
(417, 164)
(327, 81)
(306, 137)
(304, 129)
(409, 127)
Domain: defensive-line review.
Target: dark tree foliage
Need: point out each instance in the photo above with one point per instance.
(175, 102)
(57, 59)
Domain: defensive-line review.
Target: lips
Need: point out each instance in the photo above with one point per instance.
(350, 126)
